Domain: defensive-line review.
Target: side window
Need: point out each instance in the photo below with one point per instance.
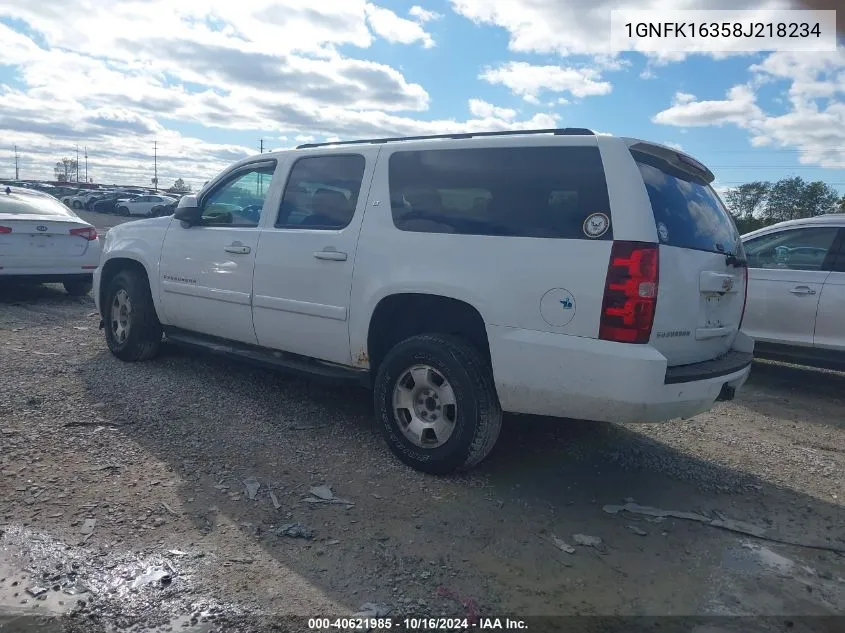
(142, 199)
(552, 192)
(322, 192)
(796, 249)
(238, 201)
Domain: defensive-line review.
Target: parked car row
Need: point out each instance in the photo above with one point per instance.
(121, 202)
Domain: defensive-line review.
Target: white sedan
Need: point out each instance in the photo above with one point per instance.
(142, 205)
(796, 290)
(41, 240)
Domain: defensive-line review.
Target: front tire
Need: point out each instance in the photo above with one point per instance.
(133, 331)
(436, 404)
(77, 287)
(77, 204)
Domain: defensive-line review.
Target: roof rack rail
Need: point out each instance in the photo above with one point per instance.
(568, 131)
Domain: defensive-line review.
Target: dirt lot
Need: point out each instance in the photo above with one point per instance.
(157, 455)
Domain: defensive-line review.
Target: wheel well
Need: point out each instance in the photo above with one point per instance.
(401, 316)
(110, 270)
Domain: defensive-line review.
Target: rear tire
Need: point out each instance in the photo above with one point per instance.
(77, 204)
(123, 211)
(133, 331)
(476, 417)
(77, 287)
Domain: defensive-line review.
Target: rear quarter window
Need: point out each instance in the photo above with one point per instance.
(551, 192)
(687, 211)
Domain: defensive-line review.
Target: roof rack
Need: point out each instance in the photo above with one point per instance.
(568, 131)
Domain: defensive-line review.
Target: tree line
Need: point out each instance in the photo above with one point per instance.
(761, 203)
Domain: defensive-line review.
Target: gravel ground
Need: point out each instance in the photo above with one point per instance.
(163, 456)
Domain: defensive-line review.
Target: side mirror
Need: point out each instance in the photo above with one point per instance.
(189, 216)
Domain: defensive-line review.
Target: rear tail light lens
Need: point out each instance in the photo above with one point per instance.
(630, 293)
(5, 229)
(88, 232)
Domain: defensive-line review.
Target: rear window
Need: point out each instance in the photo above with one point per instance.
(29, 204)
(687, 212)
(552, 192)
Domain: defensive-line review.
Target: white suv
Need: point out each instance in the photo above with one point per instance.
(550, 272)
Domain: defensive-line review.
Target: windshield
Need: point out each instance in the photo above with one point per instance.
(687, 211)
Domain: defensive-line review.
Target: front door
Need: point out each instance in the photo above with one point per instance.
(787, 270)
(206, 270)
(303, 272)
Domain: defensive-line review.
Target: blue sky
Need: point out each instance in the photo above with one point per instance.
(214, 77)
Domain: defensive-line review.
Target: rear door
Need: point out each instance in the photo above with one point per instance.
(303, 270)
(830, 315)
(787, 270)
(702, 274)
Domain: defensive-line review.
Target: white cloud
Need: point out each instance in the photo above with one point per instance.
(423, 15)
(483, 110)
(529, 81)
(683, 97)
(571, 28)
(116, 75)
(740, 108)
(814, 123)
(395, 29)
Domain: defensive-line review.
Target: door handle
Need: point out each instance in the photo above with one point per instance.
(238, 249)
(335, 256)
(802, 290)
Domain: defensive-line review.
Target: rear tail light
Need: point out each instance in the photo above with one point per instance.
(88, 232)
(5, 229)
(630, 293)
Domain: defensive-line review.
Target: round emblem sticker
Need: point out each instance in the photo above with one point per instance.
(662, 232)
(596, 225)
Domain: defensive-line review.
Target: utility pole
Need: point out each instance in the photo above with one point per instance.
(17, 171)
(262, 146)
(86, 164)
(155, 164)
(77, 163)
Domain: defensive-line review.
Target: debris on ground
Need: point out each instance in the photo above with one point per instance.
(586, 540)
(295, 530)
(36, 591)
(731, 525)
(88, 526)
(169, 509)
(275, 500)
(252, 487)
(562, 545)
(324, 494)
(636, 530)
(372, 610)
(153, 575)
(470, 606)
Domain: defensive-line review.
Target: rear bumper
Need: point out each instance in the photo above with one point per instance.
(574, 377)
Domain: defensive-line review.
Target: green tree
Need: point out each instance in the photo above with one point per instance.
(817, 198)
(841, 208)
(66, 170)
(784, 202)
(748, 200)
(180, 186)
